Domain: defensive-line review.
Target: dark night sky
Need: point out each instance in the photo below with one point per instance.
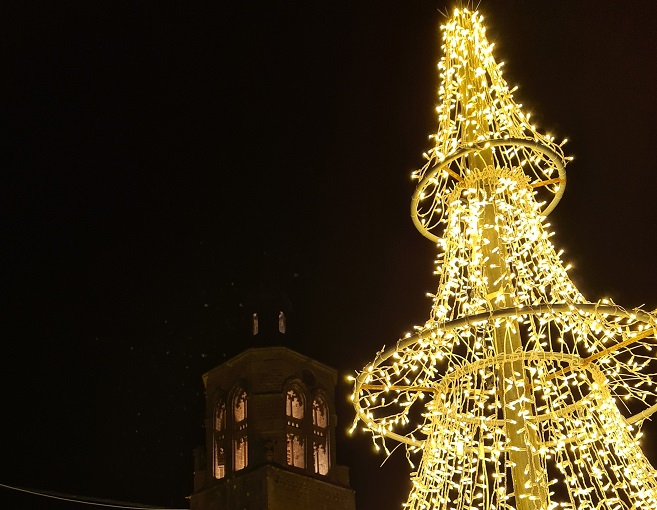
(159, 158)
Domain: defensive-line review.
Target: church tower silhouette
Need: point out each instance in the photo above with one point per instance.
(270, 423)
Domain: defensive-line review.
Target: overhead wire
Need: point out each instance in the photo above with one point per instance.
(84, 500)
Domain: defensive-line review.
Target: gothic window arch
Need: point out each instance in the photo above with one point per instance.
(321, 445)
(295, 412)
(219, 439)
(240, 429)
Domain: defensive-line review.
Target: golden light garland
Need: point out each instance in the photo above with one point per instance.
(517, 393)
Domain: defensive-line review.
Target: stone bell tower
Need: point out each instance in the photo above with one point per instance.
(270, 436)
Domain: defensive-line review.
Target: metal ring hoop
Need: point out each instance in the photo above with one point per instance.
(574, 361)
(552, 155)
(482, 318)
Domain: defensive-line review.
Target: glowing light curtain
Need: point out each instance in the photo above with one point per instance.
(517, 393)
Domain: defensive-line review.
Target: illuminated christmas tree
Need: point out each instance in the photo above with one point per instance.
(518, 392)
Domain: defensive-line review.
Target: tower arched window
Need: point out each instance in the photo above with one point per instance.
(240, 431)
(321, 447)
(255, 324)
(295, 405)
(219, 446)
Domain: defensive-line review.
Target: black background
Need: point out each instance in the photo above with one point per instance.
(159, 158)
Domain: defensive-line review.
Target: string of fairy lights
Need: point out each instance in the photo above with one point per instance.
(518, 392)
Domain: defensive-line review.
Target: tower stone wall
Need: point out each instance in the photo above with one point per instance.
(274, 458)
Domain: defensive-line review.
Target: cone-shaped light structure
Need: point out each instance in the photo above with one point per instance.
(517, 392)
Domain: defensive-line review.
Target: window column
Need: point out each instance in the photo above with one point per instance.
(321, 450)
(240, 436)
(219, 447)
(295, 410)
